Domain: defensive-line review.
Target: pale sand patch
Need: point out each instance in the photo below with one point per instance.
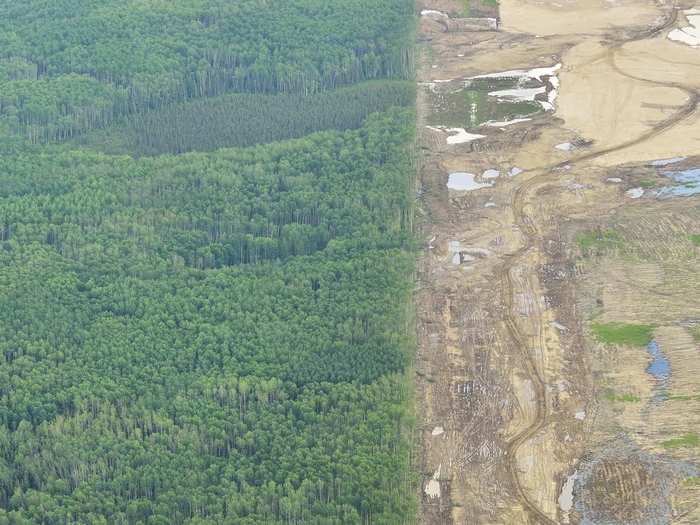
(540, 482)
(607, 107)
(661, 60)
(432, 489)
(683, 138)
(524, 391)
(582, 16)
(682, 352)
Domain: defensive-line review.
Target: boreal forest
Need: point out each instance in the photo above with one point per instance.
(206, 259)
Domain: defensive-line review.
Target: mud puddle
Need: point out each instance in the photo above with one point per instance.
(687, 184)
(660, 370)
(463, 181)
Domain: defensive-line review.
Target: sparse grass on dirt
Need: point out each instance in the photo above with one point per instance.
(693, 481)
(623, 334)
(695, 239)
(688, 440)
(695, 332)
(477, 7)
(611, 395)
(695, 397)
(647, 183)
(595, 241)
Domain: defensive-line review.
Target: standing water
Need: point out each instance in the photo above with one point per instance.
(688, 184)
(659, 369)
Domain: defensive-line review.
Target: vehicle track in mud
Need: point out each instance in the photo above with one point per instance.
(531, 233)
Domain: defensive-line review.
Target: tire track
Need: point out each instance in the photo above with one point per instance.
(529, 229)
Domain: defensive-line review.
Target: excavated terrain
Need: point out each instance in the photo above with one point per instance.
(555, 197)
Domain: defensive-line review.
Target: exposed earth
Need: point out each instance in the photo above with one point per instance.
(568, 198)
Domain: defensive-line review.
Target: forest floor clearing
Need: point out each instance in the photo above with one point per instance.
(551, 223)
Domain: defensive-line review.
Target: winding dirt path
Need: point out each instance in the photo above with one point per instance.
(528, 227)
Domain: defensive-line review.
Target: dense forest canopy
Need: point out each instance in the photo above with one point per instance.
(208, 313)
(72, 65)
(193, 333)
(214, 122)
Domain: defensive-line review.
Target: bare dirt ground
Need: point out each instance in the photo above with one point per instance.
(525, 418)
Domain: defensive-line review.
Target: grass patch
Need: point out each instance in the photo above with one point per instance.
(476, 7)
(598, 240)
(695, 332)
(472, 106)
(611, 395)
(694, 397)
(688, 440)
(695, 239)
(647, 183)
(693, 481)
(623, 334)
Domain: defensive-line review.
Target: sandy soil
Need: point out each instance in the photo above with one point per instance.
(506, 365)
(576, 17)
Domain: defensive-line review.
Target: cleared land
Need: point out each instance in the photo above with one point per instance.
(559, 300)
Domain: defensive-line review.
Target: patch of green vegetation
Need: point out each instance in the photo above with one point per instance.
(472, 106)
(647, 183)
(695, 332)
(83, 76)
(596, 241)
(694, 397)
(229, 330)
(611, 395)
(480, 3)
(210, 123)
(258, 294)
(623, 334)
(687, 440)
(693, 481)
(695, 239)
